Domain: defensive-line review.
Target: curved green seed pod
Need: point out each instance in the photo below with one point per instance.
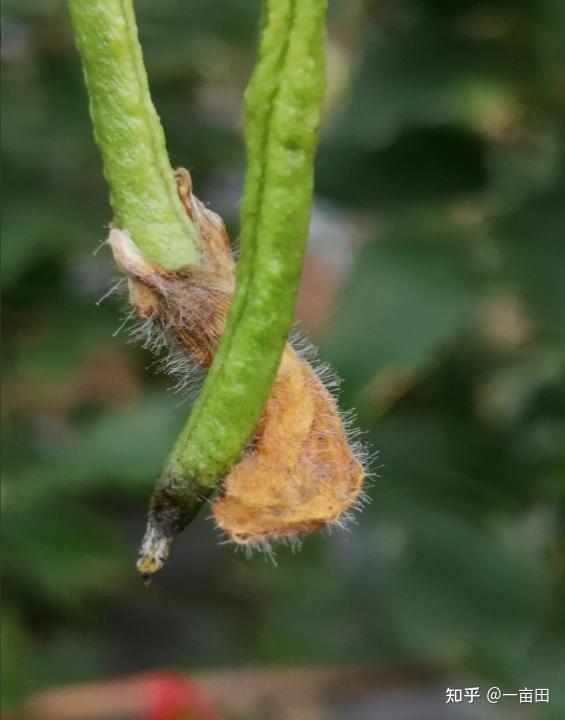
(129, 134)
(283, 104)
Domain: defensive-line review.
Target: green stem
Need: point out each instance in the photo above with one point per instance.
(283, 104)
(129, 133)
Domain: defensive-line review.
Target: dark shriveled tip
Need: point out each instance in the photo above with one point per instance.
(170, 511)
(154, 551)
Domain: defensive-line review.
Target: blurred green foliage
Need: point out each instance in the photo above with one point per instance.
(445, 139)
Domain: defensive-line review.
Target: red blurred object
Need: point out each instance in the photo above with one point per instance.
(276, 693)
(174, 696)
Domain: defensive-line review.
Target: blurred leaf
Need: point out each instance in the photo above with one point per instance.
(419, 168)
(60, 547)
(410, 293)
(531, 238)
(20, 667)
(423, 74)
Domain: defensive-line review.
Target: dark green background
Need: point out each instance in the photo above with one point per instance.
(443, 143)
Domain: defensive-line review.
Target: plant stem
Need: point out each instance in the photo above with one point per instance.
(129, 133)
(283, 104)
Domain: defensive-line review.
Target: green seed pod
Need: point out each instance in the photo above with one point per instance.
(129, 134)
(283, 104)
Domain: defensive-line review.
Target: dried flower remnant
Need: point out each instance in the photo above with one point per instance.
(299, 472)
(188, 305)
